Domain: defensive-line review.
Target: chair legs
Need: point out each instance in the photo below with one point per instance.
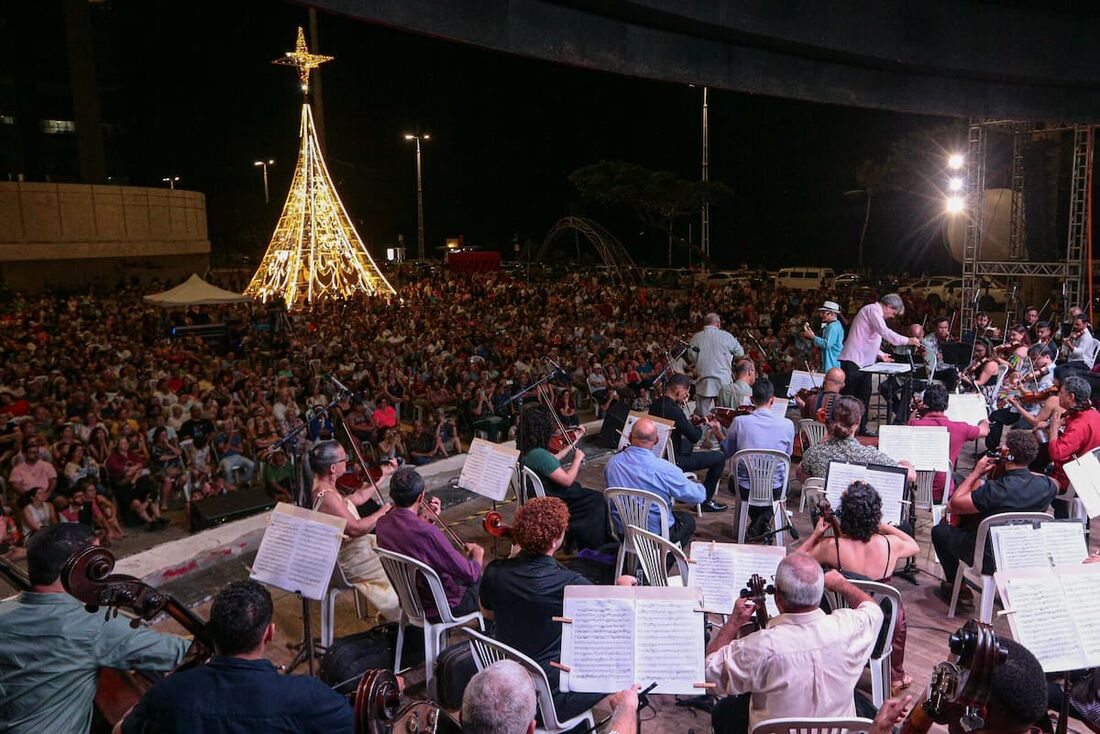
(988, 597)
(880, 680)
(742, 520)
(955, 591)
(400, 644)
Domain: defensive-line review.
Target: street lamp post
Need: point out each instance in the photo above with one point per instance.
(264, 165)
(171, 181)
(419, 193)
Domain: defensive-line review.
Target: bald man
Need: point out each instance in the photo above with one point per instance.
(639, 467)
(805, 664)
(825, 398)
(713, 351)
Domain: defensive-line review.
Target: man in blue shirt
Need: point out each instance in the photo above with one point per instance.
(637, 467)
(831, 340)
(238, 690)
(760, 429)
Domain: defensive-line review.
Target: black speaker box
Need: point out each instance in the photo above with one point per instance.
(222, 508)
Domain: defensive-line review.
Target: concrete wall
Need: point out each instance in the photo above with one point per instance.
(77, 234)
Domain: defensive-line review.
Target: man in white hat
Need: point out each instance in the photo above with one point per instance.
(831, 340)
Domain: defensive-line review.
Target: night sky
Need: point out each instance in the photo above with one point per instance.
(202, 101)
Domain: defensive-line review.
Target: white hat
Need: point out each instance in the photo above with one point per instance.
(830, 306)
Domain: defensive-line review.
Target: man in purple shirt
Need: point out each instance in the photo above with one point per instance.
(404, 531)
(864, 346)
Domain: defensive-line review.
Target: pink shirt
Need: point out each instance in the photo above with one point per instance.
(866, 334)
(26, 476)
(385, 417)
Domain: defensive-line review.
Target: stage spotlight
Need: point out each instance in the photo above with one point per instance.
(955, 204)
(955, 161)
(955, 184)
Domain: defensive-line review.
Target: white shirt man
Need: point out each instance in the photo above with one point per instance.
(806, 663)
(713, 351)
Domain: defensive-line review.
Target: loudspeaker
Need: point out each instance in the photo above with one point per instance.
(222, 508)
(613, 424)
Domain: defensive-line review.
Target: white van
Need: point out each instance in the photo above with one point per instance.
(804, 279)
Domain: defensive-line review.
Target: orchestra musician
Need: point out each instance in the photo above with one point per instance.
(51, 648)
(831, 340)
(1044, 334)
(760, 429)
(360, 564)
(637, 467)
(239, 690)
(739, 392)
(933, 353)
(523, 594)
(861, 350)
(1031, 323)
(1081, 346)
(805, 663)
(685, 435)
(866, 548)
(1018, 490)
(1040, 377)
(840, 443)
(935, 403)
(822, 402)
(1073, 431)
(982, 329)
(981, 374)
(712, 349)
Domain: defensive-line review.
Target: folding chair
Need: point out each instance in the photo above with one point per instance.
(653, 551)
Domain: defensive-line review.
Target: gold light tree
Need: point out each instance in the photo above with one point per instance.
(315, 252)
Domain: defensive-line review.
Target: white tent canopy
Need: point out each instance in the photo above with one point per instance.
(195, 292)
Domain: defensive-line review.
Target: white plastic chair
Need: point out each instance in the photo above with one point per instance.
(761, 465)
(633, 507)
(880, 666)
(972, 572)
(530, 482)
(812, 487)
(823, 725)
(653, 551)
(487, 651)
(812, 431)
(402, 572)
(670, 454)
(336, 584)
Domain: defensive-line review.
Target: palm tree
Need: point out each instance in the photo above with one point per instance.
(868, 176)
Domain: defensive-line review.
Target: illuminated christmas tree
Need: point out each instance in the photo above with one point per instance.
(315, 252)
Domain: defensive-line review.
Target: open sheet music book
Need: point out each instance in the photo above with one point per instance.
(1084, 475)
(967, 407)
(488, 469)
(621, 635)
(925, 447)
(1050, 612)
(721, 570)
(888, 481)
(803, 380)
(664, 428)
(299, 550)
(1039, 544)
(779, 407)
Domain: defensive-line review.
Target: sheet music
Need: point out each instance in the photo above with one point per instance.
(488, 469)
(1041, 619)
(803, 380)
(779, 407)
(668, 642)
(1082, 588)
(1065, 542)
(925, 447)
(620, 635)
(599, 644)
(967, 407)
(1084, 475)
(298, 550)
(721, 570)
(1019, 546)
(664, 428)
(889, 482)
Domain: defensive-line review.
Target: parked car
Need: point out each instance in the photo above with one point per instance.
(804, 278)
(946, 290)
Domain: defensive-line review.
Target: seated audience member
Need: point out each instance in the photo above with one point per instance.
(636, 467)
(760, 429)
(805, 664)
(405, 531)
(587, 509)
(278, 476)
(35, 512)
(685, 435)
(501, 700)
(357, 559)
(239, 690)
(422, 445)
(1019, 490)
(229, 443)
(33, 471)
(52, 648)
(867, 548)
(935, 402)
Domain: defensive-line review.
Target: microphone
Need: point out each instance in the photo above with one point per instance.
(689, 346)
(558, 370)
(344, 389)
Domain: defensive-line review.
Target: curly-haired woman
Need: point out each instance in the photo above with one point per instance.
(866, 548)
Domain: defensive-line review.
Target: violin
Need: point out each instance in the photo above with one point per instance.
(87, 576)
(1007, 348)
(352, 482)
(961, 686)
(755, 591)
(569, 437)
(378, 709)
(807, 394)
(724, 416)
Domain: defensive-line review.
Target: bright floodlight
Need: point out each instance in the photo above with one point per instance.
(955, 161)
(955, 204)
(955, 184)
(409, 137)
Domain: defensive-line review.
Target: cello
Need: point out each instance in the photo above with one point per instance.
(87, 576)
(378, 709)
(756, 591)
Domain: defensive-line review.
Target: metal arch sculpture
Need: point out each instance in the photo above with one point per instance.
(619, 263)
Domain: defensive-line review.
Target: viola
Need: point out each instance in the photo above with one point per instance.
(87, 576)
(756, 591)
(961, 686)
(494, 525)
(352, 482)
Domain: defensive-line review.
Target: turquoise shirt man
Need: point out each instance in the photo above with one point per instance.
(831, 341)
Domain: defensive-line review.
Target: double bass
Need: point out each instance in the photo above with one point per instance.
(756, 591)
(378, 709)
